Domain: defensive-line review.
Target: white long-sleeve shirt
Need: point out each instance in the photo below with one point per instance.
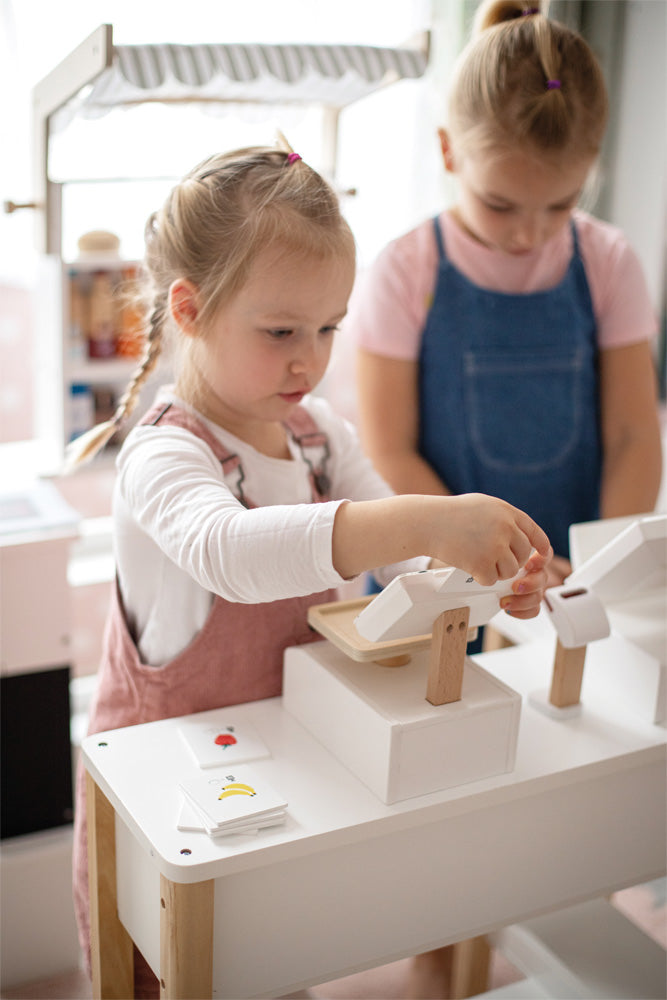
(181, 536)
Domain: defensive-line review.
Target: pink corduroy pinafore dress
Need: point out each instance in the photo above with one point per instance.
(236, 657)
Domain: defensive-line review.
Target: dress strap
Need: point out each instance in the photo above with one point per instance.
(439, 239)
(314, 446)
(312, 442)
(169, 415)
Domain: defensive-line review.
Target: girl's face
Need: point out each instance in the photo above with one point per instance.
(270, 344)
(514, 201)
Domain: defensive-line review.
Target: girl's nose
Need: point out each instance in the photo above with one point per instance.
(305, 358)
(527, 234)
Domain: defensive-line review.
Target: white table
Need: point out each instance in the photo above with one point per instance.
(348, 882)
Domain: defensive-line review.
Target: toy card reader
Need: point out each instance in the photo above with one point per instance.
(410, 604)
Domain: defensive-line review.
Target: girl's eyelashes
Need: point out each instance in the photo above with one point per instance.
(280, 333)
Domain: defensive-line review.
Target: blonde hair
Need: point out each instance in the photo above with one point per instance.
(528, 82)
(210, 230)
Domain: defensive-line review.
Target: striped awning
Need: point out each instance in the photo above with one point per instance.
(332, 75)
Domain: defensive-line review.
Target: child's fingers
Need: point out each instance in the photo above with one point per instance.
(535, 535)
(521, 607)
(531, 583)
(538, 561)
(528, 590)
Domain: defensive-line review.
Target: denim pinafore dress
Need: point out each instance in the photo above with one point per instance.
(508, 395)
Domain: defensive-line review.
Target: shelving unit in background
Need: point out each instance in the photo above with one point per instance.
(96, 78)
(81, 370)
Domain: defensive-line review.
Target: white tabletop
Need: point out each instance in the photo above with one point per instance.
(139, 768)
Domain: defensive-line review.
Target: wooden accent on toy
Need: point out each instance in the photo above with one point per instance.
(186, 939)
(335, 621)
(113, 965)
(448, 651)
(567, 675)
(470, 968)
(395, 661)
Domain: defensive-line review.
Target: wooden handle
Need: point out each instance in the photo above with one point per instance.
(448, 651)
(567, 675)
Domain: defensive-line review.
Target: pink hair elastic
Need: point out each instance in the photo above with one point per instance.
(553, 84)
(293, 157)
(527, 11)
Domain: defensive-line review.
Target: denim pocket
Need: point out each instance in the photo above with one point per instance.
(524, 412)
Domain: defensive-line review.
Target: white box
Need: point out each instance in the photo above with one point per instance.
(39, 937)
(37, 529)
(377, 722)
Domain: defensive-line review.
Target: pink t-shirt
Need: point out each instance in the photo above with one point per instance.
(391, 300)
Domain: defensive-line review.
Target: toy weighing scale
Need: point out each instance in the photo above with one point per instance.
(438, 719)
(435, 719)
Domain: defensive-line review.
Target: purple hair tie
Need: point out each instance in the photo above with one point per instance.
(527, 11)
(293, 157)
(553, 84)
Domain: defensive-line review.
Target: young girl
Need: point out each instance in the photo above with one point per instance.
(513, 309)
(241, 499)
(505, 345)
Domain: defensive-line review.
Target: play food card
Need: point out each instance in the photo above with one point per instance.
(236, 801)
(218, 741)
(190, 821)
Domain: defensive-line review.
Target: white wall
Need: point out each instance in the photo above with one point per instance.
(638, 202)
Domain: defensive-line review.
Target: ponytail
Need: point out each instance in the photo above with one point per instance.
(527, 81)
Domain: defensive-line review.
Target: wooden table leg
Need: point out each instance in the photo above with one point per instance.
(186, 940)
(448, 650)
(567, 675)
(470, 968)
(111, 945)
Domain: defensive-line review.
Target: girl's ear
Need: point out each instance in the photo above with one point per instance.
(184, 306)
(446, 149)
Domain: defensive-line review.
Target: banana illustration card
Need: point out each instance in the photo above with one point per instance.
(190, 821)
(233, 800)
(218, 741)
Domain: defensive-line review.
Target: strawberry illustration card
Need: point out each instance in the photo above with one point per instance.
(235, 800)
(218, 741)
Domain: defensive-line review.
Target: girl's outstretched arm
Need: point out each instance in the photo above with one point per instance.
(488, 538)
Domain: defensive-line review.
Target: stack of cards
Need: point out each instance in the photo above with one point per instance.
(218, 741)
(235, 802)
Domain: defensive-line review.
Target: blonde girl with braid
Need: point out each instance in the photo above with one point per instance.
(241, 498)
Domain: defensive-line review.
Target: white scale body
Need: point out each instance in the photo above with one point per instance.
(376, 720)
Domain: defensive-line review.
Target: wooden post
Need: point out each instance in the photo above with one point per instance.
(567, 675)
(448, 650)
(111, 946)
(186, 940)
(470, 968)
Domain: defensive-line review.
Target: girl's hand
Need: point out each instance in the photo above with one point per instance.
(529, 590)
(559, 568)
(491, 540)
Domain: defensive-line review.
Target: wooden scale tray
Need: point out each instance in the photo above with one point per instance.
(335, 621)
